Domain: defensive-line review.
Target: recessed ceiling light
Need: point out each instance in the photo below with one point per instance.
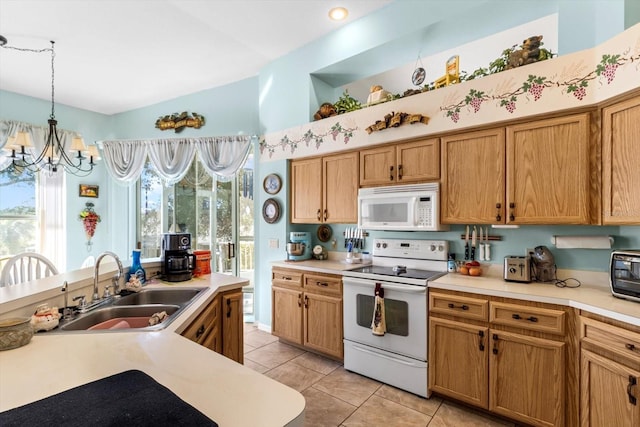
(338, 13)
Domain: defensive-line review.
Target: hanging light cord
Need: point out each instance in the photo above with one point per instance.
(53, 54)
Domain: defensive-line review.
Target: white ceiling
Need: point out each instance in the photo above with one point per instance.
(117, 55)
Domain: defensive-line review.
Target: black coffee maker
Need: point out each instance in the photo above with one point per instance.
(176, 257)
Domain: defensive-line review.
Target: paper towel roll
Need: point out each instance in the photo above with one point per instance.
(582, 242)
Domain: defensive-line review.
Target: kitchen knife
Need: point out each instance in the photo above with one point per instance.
(481, 244)
(466, 245)
(487, 249)
(473, 243)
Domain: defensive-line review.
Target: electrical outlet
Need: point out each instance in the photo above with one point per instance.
(273, 243)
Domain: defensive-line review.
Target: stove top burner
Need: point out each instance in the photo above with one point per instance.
(398, 271)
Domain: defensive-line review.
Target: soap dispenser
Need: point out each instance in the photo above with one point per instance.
(136, 269)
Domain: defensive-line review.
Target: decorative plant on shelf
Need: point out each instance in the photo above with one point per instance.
(89, 219)
(347, 103)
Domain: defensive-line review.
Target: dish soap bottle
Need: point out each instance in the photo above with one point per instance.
(451, 263)
(136, 269)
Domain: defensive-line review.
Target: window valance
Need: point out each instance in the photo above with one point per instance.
(220, 156)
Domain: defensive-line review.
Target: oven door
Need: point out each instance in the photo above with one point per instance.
(405, 316)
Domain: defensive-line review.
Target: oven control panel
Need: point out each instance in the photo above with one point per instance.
(417, 249)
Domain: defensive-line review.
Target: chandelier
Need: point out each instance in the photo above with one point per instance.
(79, 160)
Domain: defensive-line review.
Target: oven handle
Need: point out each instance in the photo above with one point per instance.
(386, 285)
(384, 356)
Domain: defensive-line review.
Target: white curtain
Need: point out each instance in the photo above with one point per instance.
(220, 156)
(38, 136)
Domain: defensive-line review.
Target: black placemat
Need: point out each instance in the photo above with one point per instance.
(130, 398)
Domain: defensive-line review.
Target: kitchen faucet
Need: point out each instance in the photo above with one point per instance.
(116, 278)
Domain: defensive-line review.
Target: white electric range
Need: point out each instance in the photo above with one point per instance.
(402, 268)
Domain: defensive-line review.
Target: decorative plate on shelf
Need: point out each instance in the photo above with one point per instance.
(272, 183)
(271, 211)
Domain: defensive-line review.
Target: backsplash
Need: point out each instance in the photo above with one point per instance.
(515, 241)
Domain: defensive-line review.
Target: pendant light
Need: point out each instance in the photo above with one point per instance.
(53, 158)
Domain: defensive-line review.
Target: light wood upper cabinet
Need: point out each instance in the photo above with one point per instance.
(325, 189)
(403, 163)
(533, 173)
(340, 179)
(306, 190)
(473, 178)
(621, 163)
(548, 171)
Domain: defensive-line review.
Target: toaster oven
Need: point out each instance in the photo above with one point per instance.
(624, 277)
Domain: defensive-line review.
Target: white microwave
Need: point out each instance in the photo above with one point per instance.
(400, 208)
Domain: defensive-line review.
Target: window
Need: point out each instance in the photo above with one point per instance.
(18, 213)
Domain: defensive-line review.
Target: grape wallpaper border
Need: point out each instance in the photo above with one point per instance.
(579, 79)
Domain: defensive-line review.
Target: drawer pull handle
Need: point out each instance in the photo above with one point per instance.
(512, 215)
(306, 301)
(322, 284)
(630, 347)
(498, 216)
(228, 308)
(287, 278)
(399, 172)
(530, 319)
(391, 173)
(495, 344)
(463, 306)
(200, 331)
(481, 340)
(299, 300)
(632, 382)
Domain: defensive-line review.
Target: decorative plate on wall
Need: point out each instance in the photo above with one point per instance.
(272, 184)
(324, 233)
(271, 211)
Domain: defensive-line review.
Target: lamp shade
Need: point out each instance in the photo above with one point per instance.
(11, 144)
(23, 139)
(92, 150)
(77, 144)
(50, 153)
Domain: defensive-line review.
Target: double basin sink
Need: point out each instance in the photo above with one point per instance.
(134, 311)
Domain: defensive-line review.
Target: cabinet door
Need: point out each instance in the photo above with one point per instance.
(620, 160)
(473, 178)
(609, 393)
(233, 326)
(418, 161)
(548, 171)
(306, 191)
(527, 378)
(323, 324)
(204, 328)
(378, 166)
(458, 364)
(340, 177)
(286, 314)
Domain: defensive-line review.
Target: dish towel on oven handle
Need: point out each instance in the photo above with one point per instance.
(378, 323)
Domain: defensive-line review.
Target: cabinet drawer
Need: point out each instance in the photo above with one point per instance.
(288, 278)
(206, 322)
(525, 317)
(324, 284)
(611, 338)
(454, 305)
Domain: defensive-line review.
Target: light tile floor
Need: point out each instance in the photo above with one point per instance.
(336, 397)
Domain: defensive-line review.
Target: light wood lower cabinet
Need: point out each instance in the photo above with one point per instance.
(232, 326)
(220, 326)
(307, 310)
(610, 375)
(489, 352)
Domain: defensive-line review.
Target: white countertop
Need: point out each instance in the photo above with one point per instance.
(225, 391)
(593, 295)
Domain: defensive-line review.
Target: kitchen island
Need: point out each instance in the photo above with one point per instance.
(223, 390)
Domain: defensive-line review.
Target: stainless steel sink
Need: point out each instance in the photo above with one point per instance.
(132, 312)
(116, 318)
(178, 296)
